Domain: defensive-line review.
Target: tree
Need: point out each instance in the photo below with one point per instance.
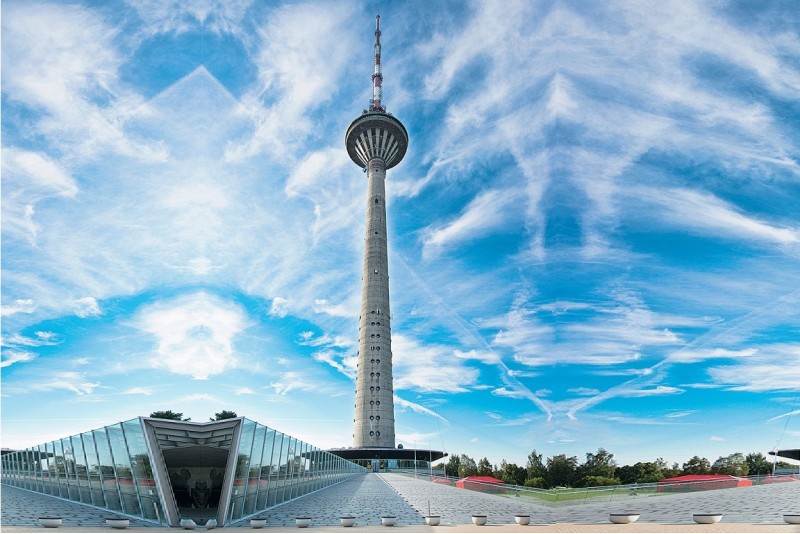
(169, 414)
(757, 464)
(598, 470)
(535, 467)
(733, 464)
(697, 466)
(670, 472)
(512, 473)
(224, 414)
(626, 473)
(452, 465)
(467, 467)
(599, 464)
(561, 470)
(641, 472)
(484, 467)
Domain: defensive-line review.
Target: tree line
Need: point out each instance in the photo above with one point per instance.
(178, 416)
(600, 469)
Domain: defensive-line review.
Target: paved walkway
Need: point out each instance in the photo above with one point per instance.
(753, 505)
(456, 505)
(23, 508)
(370, 496)
(366, 497)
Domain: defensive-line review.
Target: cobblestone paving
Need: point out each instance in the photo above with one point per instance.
(366, 497)
(456, 505)
(23, 508)
(370, 496)
(759, 504)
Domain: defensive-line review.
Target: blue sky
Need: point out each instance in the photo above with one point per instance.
(594, 235)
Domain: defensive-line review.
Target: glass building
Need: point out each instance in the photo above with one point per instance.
(164, 471)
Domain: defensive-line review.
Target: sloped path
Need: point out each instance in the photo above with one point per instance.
(372, 495)
(763, 504)
(456, 505)
(367, 497)
(23, 508)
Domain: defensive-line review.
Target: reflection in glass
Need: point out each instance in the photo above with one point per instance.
(122, 466)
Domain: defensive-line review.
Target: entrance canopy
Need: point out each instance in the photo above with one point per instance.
(794, 454)
(367, 453)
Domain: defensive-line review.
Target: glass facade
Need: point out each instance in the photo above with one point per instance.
(272, 467)
(113, 468)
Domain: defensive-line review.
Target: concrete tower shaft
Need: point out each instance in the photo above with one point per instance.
(375, 141)
(374, 410)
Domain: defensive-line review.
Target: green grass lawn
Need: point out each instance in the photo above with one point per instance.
(579, 494)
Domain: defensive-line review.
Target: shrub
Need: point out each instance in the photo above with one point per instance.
(594, 481)
(536, 482)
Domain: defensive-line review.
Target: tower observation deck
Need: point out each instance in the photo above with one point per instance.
(376, 141)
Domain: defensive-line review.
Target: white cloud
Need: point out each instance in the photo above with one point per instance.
(10, 357)
(698, 355)
(326, 179)
(68, 380)
(640, 421)
(194, 333)
(612, 332)
(787, 414)
(138, 391)
(769, 368)
(486, 357)
(64, 61)
(19, 306)
(654, 392)
(506, 392)
(486, 212)
(305, 49)
(175, 16)
(679, 414)
(199, 397)
(279, 307)
(707, 214)
(87, 307)
(429, 367)
(418, 408)
(292, 381)
(716, 438)
(37, 173)
(584, 391)
(343, 309)
(344, 364)
(42, 339)
(243, 391)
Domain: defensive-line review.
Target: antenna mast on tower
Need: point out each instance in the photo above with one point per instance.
(377, 76)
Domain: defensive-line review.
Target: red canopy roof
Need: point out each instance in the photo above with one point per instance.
(482, 480)
(696, 478)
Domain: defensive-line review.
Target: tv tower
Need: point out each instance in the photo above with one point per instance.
(375, 141)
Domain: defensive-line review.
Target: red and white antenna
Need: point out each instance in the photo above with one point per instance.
(377, 77)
